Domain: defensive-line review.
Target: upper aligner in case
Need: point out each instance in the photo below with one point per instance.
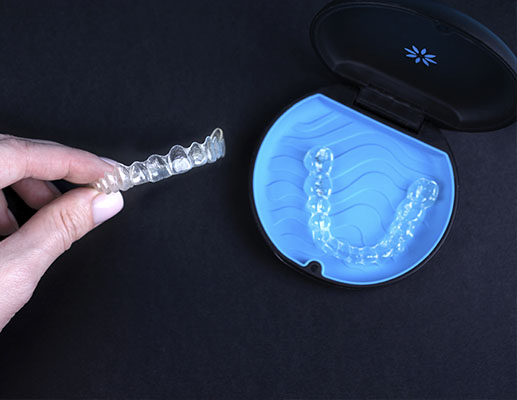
(178, 161)
(421, 195)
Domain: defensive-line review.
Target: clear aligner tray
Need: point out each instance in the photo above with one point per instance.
(178, 160)
(366, 202)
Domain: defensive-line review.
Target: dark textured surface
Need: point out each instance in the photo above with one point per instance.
(179, 297)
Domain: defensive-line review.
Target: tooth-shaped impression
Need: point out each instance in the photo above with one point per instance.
(178, 161)
(197, 154)
(421, 195)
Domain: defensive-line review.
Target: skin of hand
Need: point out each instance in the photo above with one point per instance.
(25, 254)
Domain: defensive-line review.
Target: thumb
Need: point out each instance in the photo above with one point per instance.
(27, 253)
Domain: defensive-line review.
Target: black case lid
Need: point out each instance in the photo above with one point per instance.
(456, 71)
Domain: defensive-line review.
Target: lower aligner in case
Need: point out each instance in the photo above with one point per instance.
(421, 195)
(178, 161)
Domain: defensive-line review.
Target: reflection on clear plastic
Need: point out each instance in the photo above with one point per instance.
(178, 161)
(410, 212)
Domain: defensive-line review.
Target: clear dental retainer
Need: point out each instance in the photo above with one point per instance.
(156, 168)
(421, 194)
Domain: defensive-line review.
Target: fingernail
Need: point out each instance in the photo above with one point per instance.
(106, 206)
(109, 161)
(53, 188)
(13, 219)
(7, 230)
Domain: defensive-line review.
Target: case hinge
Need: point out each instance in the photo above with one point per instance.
(390, 108)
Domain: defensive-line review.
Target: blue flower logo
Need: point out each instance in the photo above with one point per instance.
(420, 55)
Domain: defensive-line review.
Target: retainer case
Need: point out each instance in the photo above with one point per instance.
(355, 184)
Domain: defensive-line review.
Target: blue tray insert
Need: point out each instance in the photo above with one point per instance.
(373, 167)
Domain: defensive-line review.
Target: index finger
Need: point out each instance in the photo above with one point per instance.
(24, 158)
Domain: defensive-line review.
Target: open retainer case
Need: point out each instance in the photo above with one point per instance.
(355, 184)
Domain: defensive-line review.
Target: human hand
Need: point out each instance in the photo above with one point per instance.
(26, 165)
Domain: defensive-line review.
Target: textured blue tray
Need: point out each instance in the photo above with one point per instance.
(373, 167)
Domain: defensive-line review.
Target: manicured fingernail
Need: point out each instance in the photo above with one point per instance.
(109, 160)
(106, 206)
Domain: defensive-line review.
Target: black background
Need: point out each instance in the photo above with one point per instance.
(179, 296)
